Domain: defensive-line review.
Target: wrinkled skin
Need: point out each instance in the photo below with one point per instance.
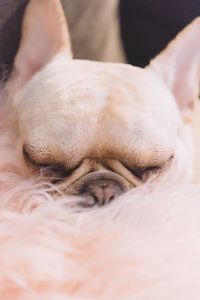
(88, 122)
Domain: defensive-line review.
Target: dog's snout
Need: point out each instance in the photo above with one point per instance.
(102, 191)
(101, 188)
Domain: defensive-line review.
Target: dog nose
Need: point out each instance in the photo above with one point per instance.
(101, 192)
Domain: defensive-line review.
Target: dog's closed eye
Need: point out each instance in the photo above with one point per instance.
(146, 173)
(54, 170)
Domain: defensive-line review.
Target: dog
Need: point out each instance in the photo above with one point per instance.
(114, 123)
(97, 130)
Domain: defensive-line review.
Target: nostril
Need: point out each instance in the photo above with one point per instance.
(101, 192)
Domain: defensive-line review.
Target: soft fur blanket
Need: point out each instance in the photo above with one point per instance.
(144, 245)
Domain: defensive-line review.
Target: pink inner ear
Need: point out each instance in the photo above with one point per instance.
(44, 34)
(179, 65)
(187, 75)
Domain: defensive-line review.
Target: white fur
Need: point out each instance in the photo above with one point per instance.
(144, 245)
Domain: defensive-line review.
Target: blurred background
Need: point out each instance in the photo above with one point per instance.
(132, 31)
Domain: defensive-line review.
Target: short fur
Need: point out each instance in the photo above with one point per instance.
(143, 245)
(133, 119)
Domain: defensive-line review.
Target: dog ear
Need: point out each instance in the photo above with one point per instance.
(179, 66)
(44, 34)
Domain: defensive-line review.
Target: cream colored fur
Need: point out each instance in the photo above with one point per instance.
(143, 245)
(131, 118)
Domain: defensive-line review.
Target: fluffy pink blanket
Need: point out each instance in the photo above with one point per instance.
(145, 245)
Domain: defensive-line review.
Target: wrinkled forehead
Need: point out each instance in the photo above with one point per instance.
(113, 105)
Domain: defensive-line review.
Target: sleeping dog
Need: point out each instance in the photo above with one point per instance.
(100, 129)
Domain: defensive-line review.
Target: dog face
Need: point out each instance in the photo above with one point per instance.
(99, 129)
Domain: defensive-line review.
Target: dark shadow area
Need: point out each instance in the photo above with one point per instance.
(148, 25)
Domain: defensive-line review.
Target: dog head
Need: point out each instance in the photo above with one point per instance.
(99, 129)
